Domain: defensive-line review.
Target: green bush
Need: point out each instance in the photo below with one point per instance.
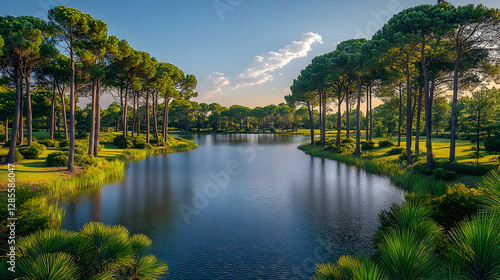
(492, 144)
(18, 155)
(395, 151)
(317, 143)
(86, 160)
(348, 140)
(445, 175)
(367, 145)
(467, 169)
(159, 143)
(64, 143)
(141, 139)
(422, 168)
(81, 134)
(385, 143)
(458, 203)
(49, 143)
(143, 146)
(346, 148)
(57, 158)
(330, 145)
(33, 151)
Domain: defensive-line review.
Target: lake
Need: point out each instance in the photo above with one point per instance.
(242, 206)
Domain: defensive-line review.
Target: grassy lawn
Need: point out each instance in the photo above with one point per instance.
(440, 147)
(36, 171)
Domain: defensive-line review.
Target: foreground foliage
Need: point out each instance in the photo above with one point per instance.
(98, 251)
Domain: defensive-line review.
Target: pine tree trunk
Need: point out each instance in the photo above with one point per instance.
(29, 116)
(6, 129)
(125, 112)
(348, 115)
(454, 108)
(357, 151)
(409, 114)
(147, 115)
(11, 156)
(311, 121)
(20, 131)
(63, 103)
(367, 128)
(52, 116)
(339, 116)
(134, 117)
(97, 117)
(419, 113)
(165, 118)
(371, 115)
(400, 115)
(72, 99)
(92, 119)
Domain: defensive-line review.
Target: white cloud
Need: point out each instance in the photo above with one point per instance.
(213, 84)
(259, 69)
(253, 81)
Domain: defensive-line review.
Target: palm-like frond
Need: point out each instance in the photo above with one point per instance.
(327, 271)
(416, 218)
(107, 247)
(140, 244)
(405, 255)
(148, 268)
(55, 266)
(490, 189)
(476, 246)
(49, 241)
(369, 270)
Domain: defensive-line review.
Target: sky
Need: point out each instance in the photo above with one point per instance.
(244, 52)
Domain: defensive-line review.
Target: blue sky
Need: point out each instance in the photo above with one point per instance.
(243, 52)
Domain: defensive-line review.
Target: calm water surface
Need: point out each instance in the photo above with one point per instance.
(242, 207)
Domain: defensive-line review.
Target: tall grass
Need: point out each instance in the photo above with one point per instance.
(93, 177)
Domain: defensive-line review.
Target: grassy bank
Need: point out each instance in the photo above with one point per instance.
(408, 181)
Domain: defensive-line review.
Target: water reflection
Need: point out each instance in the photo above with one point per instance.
(274, 219)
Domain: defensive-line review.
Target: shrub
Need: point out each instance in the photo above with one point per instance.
(125, 144)
(86, 160)
(422, 168)
(330, 145)
(367, 145)
(107, 138)
(18, 155)
(395, 151)
(81, 134)
(49, 143)
(467, 169)
(445, 175)
(317, 143)
(64, 143)
(159, 143)
(33, 151)
(57, 159)
(385, 143)
(347, 148)
(138, 140)
(492, 144)
(143, 146)
(458, 203)
(348, 140)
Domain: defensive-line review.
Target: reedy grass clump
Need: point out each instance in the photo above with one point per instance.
(475, 246)
(490, 190)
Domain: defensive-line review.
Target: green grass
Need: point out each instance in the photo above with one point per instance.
(36, 171)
